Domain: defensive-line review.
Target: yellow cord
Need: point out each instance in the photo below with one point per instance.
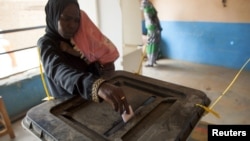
(224, 92)
(43, 81)
(209, 110)
(142, 57)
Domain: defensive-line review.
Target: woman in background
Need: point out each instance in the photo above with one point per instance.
(153, 32)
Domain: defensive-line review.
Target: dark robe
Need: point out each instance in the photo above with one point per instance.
(65, 73)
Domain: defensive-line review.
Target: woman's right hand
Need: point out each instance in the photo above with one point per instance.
(114, 96)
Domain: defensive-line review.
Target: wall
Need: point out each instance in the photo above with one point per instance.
(121, 24)
(120, 21)
(205, 31)
(20, 93)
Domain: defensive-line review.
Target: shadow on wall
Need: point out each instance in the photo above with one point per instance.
(164, 49)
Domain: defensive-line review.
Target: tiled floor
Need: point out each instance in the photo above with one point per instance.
(233, 107)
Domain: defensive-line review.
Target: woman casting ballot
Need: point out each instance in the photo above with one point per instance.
(69, 74)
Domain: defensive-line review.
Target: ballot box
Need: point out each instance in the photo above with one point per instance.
(162, 111)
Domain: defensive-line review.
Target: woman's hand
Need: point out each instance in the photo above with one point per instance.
(114, 96)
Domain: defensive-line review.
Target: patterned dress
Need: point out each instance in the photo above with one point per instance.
(153, 32)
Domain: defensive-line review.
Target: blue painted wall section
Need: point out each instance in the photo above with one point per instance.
(22, 95)
(219, 44)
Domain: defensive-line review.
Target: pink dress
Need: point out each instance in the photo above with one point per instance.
(92, 43)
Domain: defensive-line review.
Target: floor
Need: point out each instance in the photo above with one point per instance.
(233, 107)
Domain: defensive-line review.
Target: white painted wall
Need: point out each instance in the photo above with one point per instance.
(110, 22)
(120, 21)
(131, 20)
(90, 7)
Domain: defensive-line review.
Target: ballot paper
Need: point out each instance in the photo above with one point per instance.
(126, 117)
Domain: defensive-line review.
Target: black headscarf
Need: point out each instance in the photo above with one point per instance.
(53, 10)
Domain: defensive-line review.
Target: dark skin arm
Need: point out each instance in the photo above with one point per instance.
(114, 96)
(108, 92)
(81, 82)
